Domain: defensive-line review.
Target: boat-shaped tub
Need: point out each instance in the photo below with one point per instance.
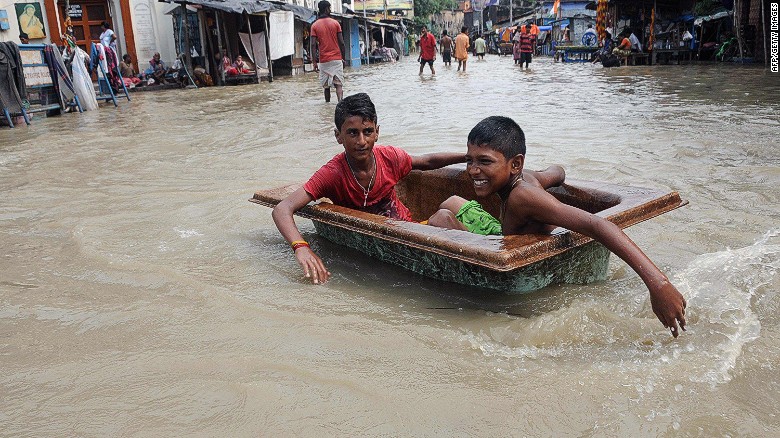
(520, 263)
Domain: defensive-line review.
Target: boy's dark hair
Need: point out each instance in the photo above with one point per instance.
(356, 105)
(323, 6)
(23, 36)
(499, 133)
(105, 24)
(464, 29)
(444, 32)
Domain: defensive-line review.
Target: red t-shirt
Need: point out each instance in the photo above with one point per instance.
(335, 181)
(427, 46)
(326, 30)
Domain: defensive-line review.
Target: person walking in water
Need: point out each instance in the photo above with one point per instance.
(526, 46)
(328, 41)
(480, 48)
(427, 50)
(446, 44)
(462, 48)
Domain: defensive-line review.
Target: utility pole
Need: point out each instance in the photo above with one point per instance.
(511, 13)
(365, 28)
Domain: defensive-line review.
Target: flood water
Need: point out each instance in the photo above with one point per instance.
(142, 295)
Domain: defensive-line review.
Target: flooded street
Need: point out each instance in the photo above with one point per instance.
(142, 295)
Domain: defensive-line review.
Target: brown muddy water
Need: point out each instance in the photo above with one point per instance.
(142, 295)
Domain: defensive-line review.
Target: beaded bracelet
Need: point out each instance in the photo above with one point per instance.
(298, 244)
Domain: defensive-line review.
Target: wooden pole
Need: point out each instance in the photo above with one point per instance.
(185, 34)
(738, 25)
(219, 47)
(268, 48)
(763, 24)
(251, 44)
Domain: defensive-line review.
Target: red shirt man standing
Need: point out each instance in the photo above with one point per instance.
(427, 50)
(327, 39)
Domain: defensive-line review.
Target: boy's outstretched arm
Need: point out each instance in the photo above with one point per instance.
(668, 303)
(283, 218)
(437, 160)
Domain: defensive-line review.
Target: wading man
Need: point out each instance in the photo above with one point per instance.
(427, 50)
(327, 46)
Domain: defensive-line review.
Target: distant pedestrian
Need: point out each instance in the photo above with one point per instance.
(526, 46)
(462, 43)
(516, 45)
(480, 47)
(566, 34)
(328, 41)
(427, 50)
(446, 44)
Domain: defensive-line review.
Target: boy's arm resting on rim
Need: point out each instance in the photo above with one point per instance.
(437, 160)
(283, 218)
(667, 302)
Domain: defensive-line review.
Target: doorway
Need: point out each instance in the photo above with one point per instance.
(86, 16)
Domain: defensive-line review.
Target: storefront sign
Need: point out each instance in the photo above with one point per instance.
(75, 11)
(36, 72)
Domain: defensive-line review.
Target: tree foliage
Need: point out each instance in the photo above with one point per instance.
(423, 9)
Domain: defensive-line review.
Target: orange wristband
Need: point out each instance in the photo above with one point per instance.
(299, 244)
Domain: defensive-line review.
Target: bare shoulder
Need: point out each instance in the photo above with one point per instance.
(522, 208)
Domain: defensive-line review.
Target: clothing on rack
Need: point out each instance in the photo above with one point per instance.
(101, 61)
(14, 60)
(60, 78)
(82, 81)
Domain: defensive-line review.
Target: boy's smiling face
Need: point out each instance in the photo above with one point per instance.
(490, 170)
(358, 136)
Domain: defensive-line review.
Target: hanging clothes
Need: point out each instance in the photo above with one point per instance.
(82, 81)
(60, 78)
(9, 95)
(100, 58)
(113, 68)
(14, 60)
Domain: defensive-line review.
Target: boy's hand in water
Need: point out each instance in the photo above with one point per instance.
(669, 306)
(312, 265)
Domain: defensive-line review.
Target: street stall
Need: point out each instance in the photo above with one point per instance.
(245, 42)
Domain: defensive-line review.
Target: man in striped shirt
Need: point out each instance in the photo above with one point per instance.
(526, 46)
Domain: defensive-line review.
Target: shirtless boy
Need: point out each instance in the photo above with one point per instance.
(362, 177)
(494, 161)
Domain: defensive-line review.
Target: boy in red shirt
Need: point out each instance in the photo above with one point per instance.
(427, 50)
(327, 39)
(363, 177)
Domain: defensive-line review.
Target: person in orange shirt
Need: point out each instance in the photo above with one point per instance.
(327, 37)
(624, 49)
(462, 43)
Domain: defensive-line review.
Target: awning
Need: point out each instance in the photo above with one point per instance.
(704, 18)
(250, 7)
